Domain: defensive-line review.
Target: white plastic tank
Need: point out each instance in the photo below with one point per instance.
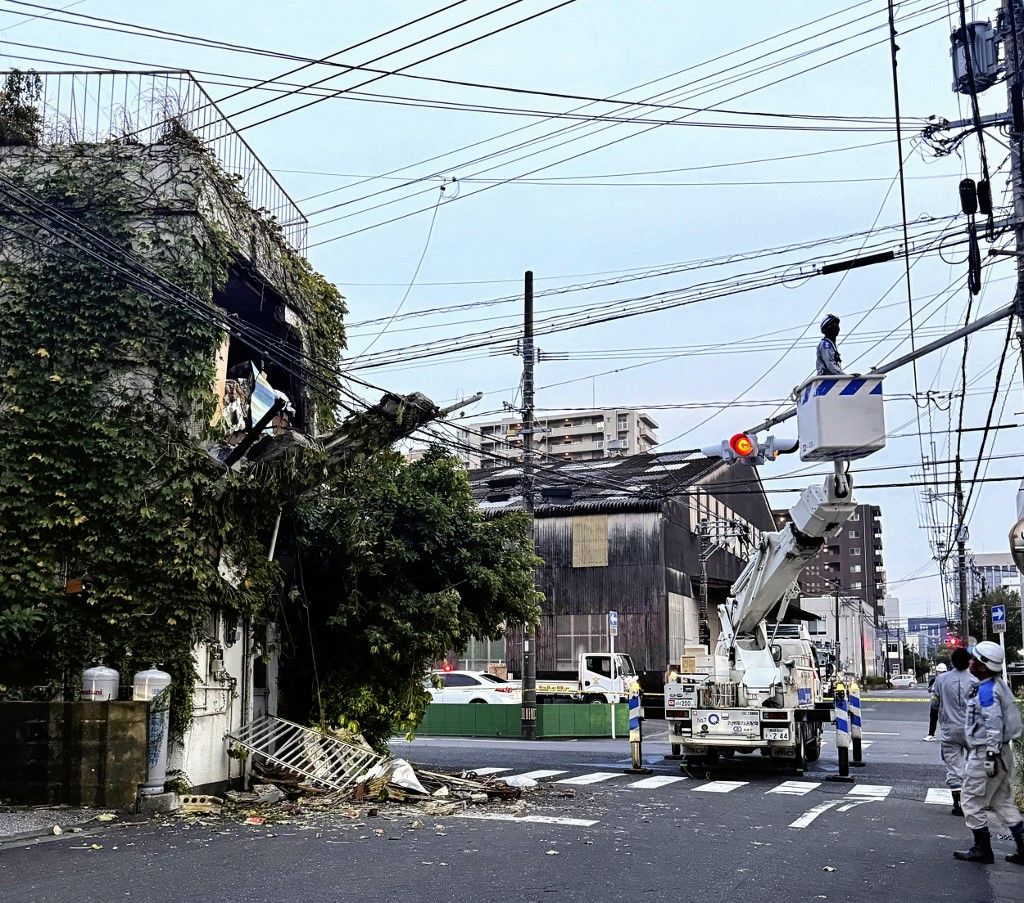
(148, 686)
(100, 684)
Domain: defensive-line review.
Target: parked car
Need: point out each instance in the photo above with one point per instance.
(903, 681)
(473, 686)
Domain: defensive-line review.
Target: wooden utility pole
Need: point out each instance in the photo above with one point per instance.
(529, 716)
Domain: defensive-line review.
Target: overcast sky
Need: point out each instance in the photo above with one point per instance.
(657, 196)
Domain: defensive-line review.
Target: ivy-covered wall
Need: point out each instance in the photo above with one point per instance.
(112, 517)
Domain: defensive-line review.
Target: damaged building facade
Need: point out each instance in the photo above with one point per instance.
(212, 218)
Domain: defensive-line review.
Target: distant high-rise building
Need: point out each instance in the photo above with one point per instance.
(573, 436)
(852, 560)
(991, 570)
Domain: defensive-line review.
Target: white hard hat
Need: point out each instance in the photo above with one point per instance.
(940, 669)
(989, 654)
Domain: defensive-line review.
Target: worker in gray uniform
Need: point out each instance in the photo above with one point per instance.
(950, 693)
(993, 721)
(829, 363)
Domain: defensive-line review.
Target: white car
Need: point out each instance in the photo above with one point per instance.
(473, 686)
(903, 681)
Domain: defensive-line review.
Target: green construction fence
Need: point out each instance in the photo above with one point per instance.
(553, 721)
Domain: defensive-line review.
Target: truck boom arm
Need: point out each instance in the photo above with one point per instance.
(781, 556)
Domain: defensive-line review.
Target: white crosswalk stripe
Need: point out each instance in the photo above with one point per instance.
(870, 791)
(538, 775)
(661, 780)
(595, 777)
(795, 788)
(939, 796)
(720, 786)
(483, 772)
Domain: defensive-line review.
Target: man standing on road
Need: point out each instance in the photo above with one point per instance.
(993, 722)
(950, 693)
(933, 714)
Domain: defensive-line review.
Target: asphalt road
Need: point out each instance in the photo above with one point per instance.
(744, 833)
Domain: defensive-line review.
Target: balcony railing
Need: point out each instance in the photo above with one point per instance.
(140, 107)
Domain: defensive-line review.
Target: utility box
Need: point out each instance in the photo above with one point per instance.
(979, 41)
(840, 417)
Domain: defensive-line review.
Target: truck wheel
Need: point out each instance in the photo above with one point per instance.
(597, 700)
(812, 748)
(800, 759)
(478, 702)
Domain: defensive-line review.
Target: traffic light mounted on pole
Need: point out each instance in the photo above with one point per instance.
(743, 448)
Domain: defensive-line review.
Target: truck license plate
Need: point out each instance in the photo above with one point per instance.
(776, 733)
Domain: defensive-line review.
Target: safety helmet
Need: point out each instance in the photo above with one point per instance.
(989, 654)
(829, 321)
(940, 669)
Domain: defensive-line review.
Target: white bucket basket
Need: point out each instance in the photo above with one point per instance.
(840, 417)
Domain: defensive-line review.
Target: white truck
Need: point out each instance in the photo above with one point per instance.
(598, 678)
(761, 690)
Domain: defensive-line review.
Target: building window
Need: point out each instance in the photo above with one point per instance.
(483, 654)
(855, 550)
(854, 534)
(623, 423)
(576, 634)
(855, 569)
(855, 517)
(857, 584)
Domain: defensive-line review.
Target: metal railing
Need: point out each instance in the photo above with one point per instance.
(135, 106)
(322, 760)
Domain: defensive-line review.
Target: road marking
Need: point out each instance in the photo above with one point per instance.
(866, 743)
(531, 819)
(719, 786)
(871, 791)
(660, 780)
(537, 775)
(594, 778)
(882, 734)
(804, 820)
(795, 788)
(481, 772)
(846, 807)
(939, 796)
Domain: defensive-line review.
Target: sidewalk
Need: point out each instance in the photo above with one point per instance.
(18, 823)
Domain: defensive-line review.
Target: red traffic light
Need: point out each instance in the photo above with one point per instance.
(743, 445)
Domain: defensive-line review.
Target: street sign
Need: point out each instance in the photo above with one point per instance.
(613, 623)
(999, 619)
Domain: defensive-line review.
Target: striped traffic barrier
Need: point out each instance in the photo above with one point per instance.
(636, 732)
(842, 723)
(855, 725)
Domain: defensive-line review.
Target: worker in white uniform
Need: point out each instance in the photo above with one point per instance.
(829, 363)
(933, 714)
(993, 722)
(950, 693)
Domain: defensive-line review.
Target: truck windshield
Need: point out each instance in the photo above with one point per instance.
(624, 665)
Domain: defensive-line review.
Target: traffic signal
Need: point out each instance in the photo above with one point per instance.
(743, 448)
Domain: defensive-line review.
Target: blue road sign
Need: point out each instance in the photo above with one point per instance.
(613, 619)
(999, 618)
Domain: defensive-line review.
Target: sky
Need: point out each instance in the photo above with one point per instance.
(584, 200)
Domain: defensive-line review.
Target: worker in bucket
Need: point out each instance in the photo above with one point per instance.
(950, 693)
(829, 362)
(993, 722)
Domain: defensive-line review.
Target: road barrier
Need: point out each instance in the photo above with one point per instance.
(842, 723)
(636, 732)
(855, 725)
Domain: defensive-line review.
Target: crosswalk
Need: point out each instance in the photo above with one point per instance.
(622, 780)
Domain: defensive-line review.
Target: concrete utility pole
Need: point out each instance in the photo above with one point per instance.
(529, 717)
(961, 556)
(1013, 51)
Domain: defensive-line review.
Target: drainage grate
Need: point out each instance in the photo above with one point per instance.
(320, 759)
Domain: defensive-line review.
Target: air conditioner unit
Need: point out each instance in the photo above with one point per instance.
(616, 445)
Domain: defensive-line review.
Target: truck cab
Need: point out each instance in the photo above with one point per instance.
(598, 678)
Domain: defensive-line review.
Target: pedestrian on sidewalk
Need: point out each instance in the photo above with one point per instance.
(933, 712)
(993, 722)
(950, 693)
(829, 363)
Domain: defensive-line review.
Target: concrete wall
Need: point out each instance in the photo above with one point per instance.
(79, 753)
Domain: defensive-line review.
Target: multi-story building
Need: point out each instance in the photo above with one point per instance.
(850, 562)
(573, 436)
(988, 571)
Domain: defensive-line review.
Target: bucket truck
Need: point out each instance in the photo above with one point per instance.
(761, 688)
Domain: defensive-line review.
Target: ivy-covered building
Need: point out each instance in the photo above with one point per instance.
(155, 307)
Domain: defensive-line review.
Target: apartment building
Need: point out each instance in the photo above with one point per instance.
(851, 561)
(572, 436)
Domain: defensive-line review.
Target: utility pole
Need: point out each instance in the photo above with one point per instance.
(838, 647)
(1013, 51)
(961, 555)
(703, 629)
(529, 715)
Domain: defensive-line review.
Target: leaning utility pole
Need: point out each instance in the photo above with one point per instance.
(529, 716)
